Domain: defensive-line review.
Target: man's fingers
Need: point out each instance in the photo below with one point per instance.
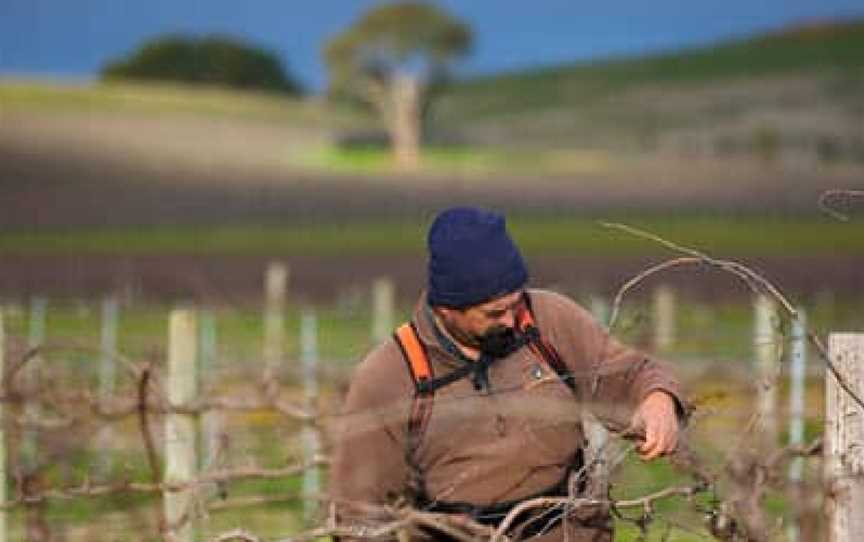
(651, 451)
(658, 441)
(653, 455)
(656, 415)
(649, 447)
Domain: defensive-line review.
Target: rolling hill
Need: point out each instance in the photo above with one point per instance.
(793, 99)
(798, 88)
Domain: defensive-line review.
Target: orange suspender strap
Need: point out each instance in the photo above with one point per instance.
(418, 363)
(421, 406)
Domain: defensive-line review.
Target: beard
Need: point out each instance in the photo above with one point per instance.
(496, 342)
(499, 341)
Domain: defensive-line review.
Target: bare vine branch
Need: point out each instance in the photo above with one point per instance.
(756, 282)
(86, 490)
(830, 197)
(144, 425)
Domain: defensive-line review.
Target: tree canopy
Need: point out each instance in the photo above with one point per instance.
(411, 37)
(217, 60)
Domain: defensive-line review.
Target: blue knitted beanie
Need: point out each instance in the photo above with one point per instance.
(472, 259)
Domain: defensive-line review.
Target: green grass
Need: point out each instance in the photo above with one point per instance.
(674, 517)
(374, 160)
(478, 163)
(165, 98)
(279, 517)
(721, 236)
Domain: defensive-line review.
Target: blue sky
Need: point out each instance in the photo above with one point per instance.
(73, 38)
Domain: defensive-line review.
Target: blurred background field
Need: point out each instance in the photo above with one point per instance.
(163, 194)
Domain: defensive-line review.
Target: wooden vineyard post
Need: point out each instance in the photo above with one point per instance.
(107, 380)
(180, 434)
(797, 388)
(2, 430)
(31, 377)
(664, 318)
(276, 286)
(311, 445)
(766, 349)
(211, 422)
(844, 439)
(383, 294)
(599, 307)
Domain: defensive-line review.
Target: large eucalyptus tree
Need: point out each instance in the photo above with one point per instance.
(392, 58)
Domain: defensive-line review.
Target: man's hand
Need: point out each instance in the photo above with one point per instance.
(657, 420)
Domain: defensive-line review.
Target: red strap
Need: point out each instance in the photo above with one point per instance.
(524, 319)
(544, 349)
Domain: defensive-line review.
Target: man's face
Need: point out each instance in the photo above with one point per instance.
(479, 325)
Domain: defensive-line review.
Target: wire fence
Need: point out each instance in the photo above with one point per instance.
(173, 443)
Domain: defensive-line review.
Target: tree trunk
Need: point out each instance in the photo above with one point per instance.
(404, 121)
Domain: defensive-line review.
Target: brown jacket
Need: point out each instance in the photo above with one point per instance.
(484, 448)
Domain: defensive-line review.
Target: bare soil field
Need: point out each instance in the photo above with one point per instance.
(81, 170)
(67, 175)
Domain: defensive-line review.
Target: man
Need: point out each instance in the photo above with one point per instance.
(475, 407)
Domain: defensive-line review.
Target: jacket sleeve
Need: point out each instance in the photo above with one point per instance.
(613, 378)
(368, 464)
(621, 377)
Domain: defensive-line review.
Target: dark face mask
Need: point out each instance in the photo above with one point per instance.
(499, 342)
